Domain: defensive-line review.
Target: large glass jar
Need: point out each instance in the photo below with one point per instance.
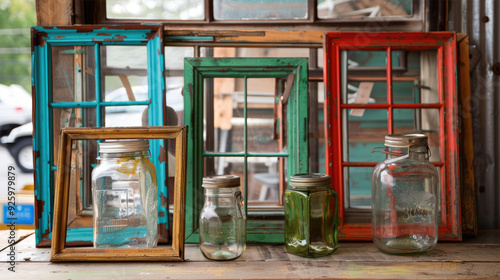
(405, 197)
(222, 219)
(125, 196)
(310, 216)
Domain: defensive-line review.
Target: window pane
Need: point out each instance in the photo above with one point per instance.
(155, 9)
(359, 180)
(263, 181)
(365, 76)
(174, 56)
(424, 121)
(367, 60)
(418, 83)
(259, 9)
(262, 136)
(361, 91)
(126, 88)
(342, 9)
(125, 57)
(365, 132)
(125, 73)
(70, 117)
(224, 121)
(116, 116)
(405, 92)
(272, 52)
(73, 69)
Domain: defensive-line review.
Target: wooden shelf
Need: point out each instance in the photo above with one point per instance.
(471, 259)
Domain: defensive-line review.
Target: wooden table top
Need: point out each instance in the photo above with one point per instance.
(474, 258)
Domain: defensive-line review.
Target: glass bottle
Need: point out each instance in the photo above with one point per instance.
(222, 219)
(125, 196)
(405, 197)
(310, 216)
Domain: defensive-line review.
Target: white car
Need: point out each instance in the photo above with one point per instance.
(20, 145)
(15, 107)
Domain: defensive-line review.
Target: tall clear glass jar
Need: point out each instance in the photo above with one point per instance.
(125, 196)
(222, 219)
(310, 216)
(405, 197)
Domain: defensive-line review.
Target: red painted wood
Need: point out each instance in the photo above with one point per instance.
(390, 121)
(445, 44)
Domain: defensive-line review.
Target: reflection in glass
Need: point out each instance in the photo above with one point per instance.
(116, 116)
(125, 56)
(174, 56)
(126, 88)
(73, 69)
(155, 9)
(70, 117)
(358, 195)
(342, 9)
(224, 120)
(261, 132)
(273, 52)
(365, 132)
(259, 9)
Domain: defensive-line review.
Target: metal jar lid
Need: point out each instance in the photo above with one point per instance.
(406, 140)
(223, 181)
(310, 180)
(124, 146)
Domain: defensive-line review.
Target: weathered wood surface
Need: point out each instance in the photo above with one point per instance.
(54, 12)
(467, 187)
(19, 235)
(308, 269)
(475, 258)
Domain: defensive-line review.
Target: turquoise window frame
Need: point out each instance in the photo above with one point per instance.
(43, 39)
(195, 71)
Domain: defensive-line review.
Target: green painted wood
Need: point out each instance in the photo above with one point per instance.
(195, 70)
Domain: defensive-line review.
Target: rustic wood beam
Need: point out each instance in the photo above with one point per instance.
(54, 12)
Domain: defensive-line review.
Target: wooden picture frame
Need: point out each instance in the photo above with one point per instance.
(59, 251)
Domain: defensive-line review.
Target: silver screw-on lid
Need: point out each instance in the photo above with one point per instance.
(223, 181)
(406, 140)
(310, 180)
(124, 146)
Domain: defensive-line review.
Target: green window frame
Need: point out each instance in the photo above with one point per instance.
(195, 71)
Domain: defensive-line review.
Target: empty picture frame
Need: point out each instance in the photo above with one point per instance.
(59, 251)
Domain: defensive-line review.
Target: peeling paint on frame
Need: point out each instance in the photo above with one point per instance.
(445, 43)
(42, 40)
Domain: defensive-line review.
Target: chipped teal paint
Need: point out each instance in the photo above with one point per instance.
(98, 77)
(71, 37)
(156, 84)
(91, 104)
(195, 70)
(151, 36)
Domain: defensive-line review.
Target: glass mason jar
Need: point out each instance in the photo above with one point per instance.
(405, 197)
(125, 196)
(310, 216)
(222, 220)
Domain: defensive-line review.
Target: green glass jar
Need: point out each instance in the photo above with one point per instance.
(310, 216)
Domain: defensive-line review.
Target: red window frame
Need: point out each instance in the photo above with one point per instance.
(445, 44)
